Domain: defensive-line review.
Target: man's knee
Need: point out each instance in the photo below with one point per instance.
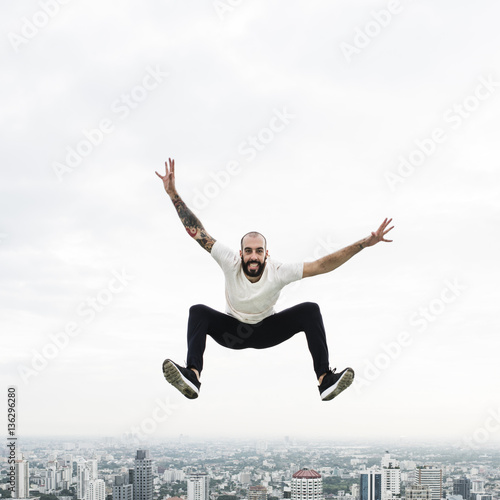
(199, 309)
(310, 307)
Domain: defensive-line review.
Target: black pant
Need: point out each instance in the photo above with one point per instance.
(232, 333)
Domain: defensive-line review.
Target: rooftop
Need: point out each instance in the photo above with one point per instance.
(307, 474)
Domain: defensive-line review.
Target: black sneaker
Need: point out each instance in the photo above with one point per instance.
(183, 379)
(334, 383)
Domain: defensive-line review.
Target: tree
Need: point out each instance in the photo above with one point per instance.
(331, 485)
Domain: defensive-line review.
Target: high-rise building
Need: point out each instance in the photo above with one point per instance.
(57, 475)
(143, 476)
(122, 489)
(171, 475)
(64, 477)
(432, 477)
(307, 484)
(370, 486)
(51, 477)
(67, 458)
(245, 477)
(22, 475)
(92, 467)
(257, 493)
(391, 477)
(83, 476)
(354, 489)
(462, 487)
(418, 492)
(391, 482)
(389, 462)
(478, 492)
(197, 486)
(477, 486)
(261, 447)
(96, 490)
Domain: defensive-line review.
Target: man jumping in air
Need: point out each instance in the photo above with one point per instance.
(253, 284)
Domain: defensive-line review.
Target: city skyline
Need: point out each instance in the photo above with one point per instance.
(278, 470)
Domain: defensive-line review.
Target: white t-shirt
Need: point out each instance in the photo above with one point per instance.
(252, 302)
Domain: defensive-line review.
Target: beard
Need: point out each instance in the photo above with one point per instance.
(253, 273)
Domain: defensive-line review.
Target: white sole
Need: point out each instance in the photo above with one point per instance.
(341, 385)
(177, 379)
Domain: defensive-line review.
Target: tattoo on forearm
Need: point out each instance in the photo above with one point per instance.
(190, 221)
(206, 242)
(192, 224)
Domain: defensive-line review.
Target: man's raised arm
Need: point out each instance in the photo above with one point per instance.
(192, 224)
(336, 259)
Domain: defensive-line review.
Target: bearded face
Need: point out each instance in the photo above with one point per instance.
(253, 267)
(253, 256)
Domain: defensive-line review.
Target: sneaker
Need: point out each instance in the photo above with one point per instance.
(334, 383)
(183, 379)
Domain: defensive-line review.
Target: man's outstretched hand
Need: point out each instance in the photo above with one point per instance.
(378, 235)
(169, 177)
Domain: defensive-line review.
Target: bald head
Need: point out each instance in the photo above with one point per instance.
(252, 235)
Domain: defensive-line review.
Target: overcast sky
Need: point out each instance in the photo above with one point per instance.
(307, 121)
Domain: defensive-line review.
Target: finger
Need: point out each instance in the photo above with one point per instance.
(172, 167)
(388, 241)
(160, 176)
(166, 168)
(385, 232)
(383, 225)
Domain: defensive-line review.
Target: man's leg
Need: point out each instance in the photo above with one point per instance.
(304, 317)
(203, 321)
(279, 327)
(273, 330)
